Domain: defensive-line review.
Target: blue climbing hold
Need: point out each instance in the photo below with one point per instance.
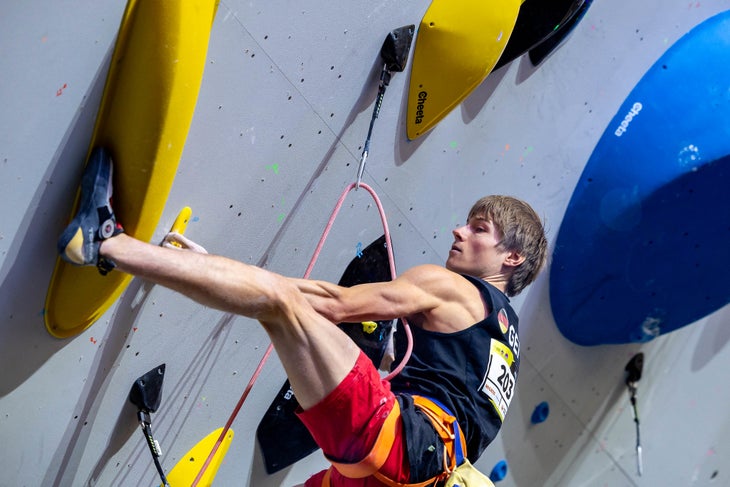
(499, 472)
(540, 413)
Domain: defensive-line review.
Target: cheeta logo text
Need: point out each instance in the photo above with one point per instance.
(422, 95)
(628, 118)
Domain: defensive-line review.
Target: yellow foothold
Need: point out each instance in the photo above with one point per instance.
(369, 326)
(186, 470)
(181, 222)
(182, 219)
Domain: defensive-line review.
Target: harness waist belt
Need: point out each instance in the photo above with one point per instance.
(443, 422)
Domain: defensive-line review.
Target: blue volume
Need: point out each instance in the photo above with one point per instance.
(644, 246)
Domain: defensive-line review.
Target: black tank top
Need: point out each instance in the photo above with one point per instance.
(472, 372)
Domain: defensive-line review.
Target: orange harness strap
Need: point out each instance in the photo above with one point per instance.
(379, 453)
(444, 424)
(326, 482)
(371, 464)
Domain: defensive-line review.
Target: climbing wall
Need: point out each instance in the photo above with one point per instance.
(283, 111)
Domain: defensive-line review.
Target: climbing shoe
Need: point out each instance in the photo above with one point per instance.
(95, 221)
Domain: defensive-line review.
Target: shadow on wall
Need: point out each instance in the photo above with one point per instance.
(477, 99)
(25, 345)
(595, 375)
(67, 457)
(364, 101)
(470, 108)
(168, 422)
(715, 336)
(178, 403)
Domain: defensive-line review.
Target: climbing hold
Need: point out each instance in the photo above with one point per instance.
(499, 472)
(369, 326)
(540, 413)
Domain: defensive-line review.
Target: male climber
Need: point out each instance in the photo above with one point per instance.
(466, 349)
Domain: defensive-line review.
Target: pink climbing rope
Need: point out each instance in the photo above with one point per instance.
(391, 259)
(307, 272)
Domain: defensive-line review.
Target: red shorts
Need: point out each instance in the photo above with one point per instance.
(346, 423)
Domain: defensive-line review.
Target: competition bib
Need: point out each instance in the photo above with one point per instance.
(499, 381)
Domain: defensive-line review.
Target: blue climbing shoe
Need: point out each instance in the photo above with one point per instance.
(95, 221)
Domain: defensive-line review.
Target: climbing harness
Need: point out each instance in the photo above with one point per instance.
(446, 427)
(373, 461)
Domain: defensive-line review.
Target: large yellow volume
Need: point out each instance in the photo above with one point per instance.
(457, 45)
(143, 121)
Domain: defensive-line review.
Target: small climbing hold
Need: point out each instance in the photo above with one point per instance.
(499, 472)
(369, 326)
(540, 413)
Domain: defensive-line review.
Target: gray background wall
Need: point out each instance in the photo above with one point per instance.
(283, 111)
